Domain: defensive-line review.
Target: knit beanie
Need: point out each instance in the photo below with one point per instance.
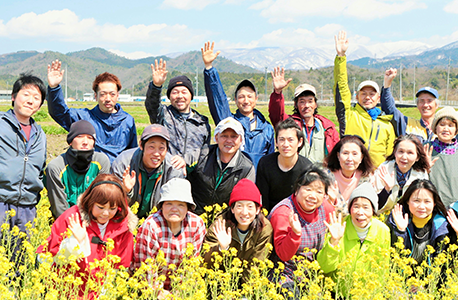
(364, 190)
(180, 81)
(80, 127)
(448, 112)
(245, 190)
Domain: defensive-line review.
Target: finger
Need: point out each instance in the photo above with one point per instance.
(327, 225)
(132, 174)
(229, 231)
(213, 46)
(340, 218)
(217, 53)
(289, 80)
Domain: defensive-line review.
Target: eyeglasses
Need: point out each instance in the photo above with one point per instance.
(103, 95)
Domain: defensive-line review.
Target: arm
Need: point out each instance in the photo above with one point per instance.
(277, 101)
(329, 256)
(390, 140)
(395, 231)
(342, 95)
(388, 104)
(153, 95)
(252, 174)
(286, 241)
(104, 162)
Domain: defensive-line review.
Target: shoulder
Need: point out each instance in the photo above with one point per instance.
(328, 208)
(194, 220)
(56, 164)
(325, 121)
(100, 157)
(379, 225)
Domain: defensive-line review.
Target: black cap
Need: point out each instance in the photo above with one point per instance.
(180, 81)
(243, 83)
(80, 127)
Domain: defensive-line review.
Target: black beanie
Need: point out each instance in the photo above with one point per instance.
(180, 81)
(80, 127)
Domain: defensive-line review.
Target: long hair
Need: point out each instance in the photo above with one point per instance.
(106, 188)
(422, 163)
(439, 207)
(332, 161)
(257, 224)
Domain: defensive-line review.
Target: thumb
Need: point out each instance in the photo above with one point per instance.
(288, 81)
(229, 231)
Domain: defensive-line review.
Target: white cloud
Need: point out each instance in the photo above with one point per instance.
(188, 4)
(293, 10)
(452, 7)
(132, 55)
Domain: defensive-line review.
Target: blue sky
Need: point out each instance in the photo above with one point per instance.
(140, 28)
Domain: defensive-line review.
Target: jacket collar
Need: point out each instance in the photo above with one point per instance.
(351, 231)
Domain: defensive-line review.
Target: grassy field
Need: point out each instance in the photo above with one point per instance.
(57, 135)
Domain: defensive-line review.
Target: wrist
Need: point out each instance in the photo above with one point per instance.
(278, 91)
(208, 66)
(334, 242)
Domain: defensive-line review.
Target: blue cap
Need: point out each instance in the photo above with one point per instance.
(428, 90)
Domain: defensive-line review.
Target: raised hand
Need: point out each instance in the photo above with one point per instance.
(341, 43)
(78, 230)
(208, 56)
(429, 155)
(223, 236)
(390, 74)
(179, 163)
(55, 73)
(159, 72)
(452, 219)
(400, 220)
(335, 227)
(278, 79)
(387, 178)
(128, 178)
(295, 223)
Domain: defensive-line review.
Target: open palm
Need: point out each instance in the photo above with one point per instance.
(335, 227)
(159, 71)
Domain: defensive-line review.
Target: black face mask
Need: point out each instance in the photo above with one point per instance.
(79, 160)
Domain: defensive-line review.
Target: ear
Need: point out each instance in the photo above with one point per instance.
(301, 141)
(258, 210)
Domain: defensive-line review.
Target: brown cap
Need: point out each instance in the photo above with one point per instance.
(155, 130)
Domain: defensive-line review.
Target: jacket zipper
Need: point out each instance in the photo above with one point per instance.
(370, 136)
(378, 131)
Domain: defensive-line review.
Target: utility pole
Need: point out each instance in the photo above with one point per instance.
(400, 83)
(133, 90)
(448, 79)
(266, 83)
(414, 65)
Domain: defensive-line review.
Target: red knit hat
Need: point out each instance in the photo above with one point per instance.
(245, 190)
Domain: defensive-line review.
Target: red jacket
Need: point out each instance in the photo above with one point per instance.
(277, 114)
(118, 232)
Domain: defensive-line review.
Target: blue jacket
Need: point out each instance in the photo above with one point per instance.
(258, 142)
(21, 162)
(115, 132)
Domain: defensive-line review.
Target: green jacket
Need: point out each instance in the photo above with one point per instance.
(350, 255)
(379, 135)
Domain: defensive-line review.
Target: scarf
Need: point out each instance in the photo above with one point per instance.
(374, 113)
(79, 160)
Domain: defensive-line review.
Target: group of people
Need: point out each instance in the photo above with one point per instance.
(321, 189)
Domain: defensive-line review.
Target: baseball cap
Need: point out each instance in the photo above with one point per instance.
(369, 83)
(155, 130)
(243, 83)
(428, 89)
(304, 88)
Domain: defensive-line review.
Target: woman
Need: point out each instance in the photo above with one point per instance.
(445, 155)
(101, 213)
(242, 226)
(298, 222)
(407, 163)
(359, 236)
(419, 218)
(351, 165)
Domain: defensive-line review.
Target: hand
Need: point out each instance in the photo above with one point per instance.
(295, 223)
(335, 227)
(333, 192)
(78, 231)
(224, 237)
(341, 43)
(55, 74)
(208, 56)
(179, 163)
(387, 179)
(278, 79)
(390, 74)
(429, 154)
(159, 72)
(128, 178)
(452, 219)
(401, 222)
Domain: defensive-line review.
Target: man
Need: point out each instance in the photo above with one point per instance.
(189, 130)
(145, 169)
(259, 134)
(278, 171)
(71, 173)
(23, 155)
(114, 127)
(427, 104)
(320, 133)
(220, 166)
(365, 119)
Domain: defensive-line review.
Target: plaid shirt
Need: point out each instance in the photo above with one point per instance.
(155, 235)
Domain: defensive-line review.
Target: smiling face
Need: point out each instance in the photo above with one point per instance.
(287, 142)
(310, 197)
(26, 102)
(107, 96)
(103, 213)
(245, 212)
(246, 101)
(228, 143)
(350, 157)
(361, 212)
(446, 130)
(83, 142)
(154, 152)
(421, 203)
(406, 156)
(180, 98)
(306, 106)
(427, 105)
(368, 97)
(174, 211)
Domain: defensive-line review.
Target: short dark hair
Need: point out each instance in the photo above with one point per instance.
(313, 174)
(27, 79)
(417, 184)
(106, 77)
(305, 94)
(332, 161)
(290, 124)
(422, 164)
